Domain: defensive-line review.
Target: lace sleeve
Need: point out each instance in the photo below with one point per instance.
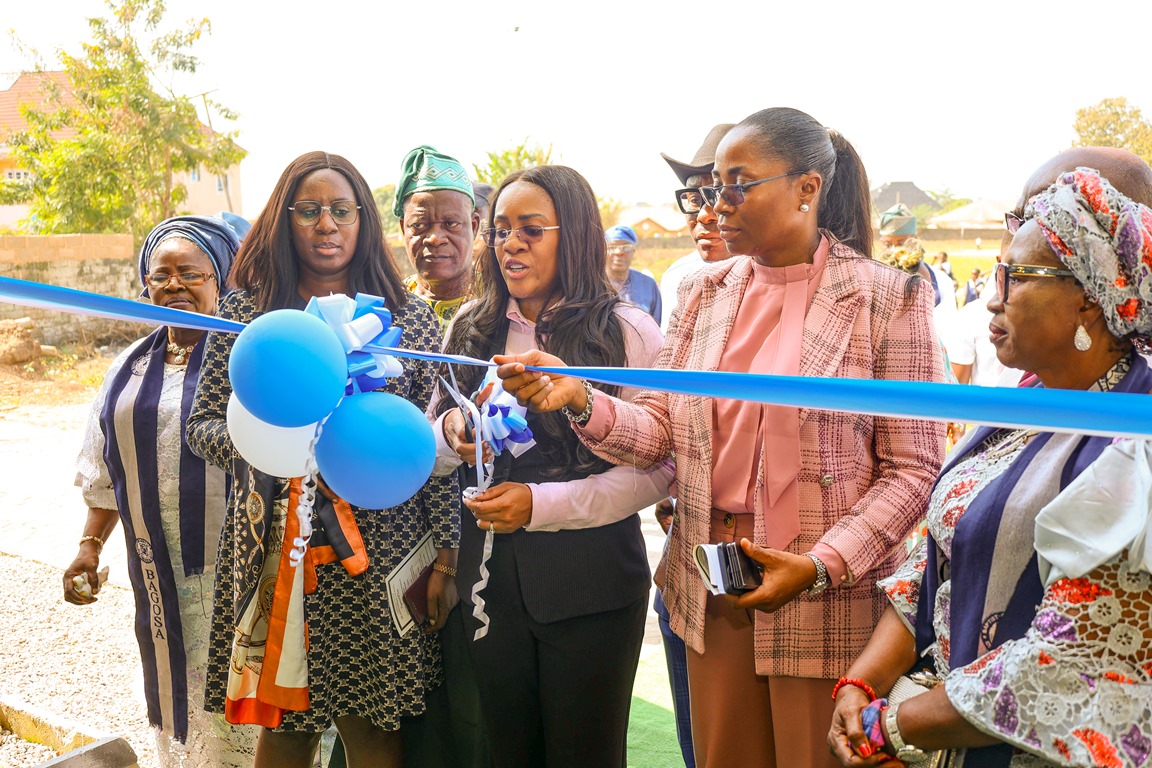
(1077, 688)
(903, 587)
(92, 477)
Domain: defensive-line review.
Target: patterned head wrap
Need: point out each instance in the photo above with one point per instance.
(426, 170)
(897, 220)
(1105, 239)
(210, 234)
(620, 232)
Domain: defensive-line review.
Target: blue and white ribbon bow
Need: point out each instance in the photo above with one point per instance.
(364, 327)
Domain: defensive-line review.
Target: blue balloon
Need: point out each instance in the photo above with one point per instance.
(376, 450)
(288, 368)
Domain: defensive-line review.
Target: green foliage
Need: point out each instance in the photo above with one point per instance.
(1113, 123)
(502, 163)
(126, 135)
(15, 192)
(947, 201)
(384, 197)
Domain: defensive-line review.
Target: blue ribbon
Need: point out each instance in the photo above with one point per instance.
(1116, 414)
(1111, 414)
(54, 297)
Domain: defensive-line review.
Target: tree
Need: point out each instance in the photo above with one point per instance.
(522, 156)
(947, 201)
(384, 197)
(105, 148)
(1113, 123)
(500, 164)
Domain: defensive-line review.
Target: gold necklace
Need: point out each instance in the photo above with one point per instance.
(179, 354)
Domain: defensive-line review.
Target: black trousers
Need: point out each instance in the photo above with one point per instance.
(554, 695)
(450, 734)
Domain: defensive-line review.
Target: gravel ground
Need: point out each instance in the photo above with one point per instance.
(78, 662)
(17, 753)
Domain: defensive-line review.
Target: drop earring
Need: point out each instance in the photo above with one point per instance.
(1082, 341)
(804, 208)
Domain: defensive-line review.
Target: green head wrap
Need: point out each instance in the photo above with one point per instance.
(426, 170)
(897, 220)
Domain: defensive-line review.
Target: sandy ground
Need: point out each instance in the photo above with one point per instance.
(78, 663)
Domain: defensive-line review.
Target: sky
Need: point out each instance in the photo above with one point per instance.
(965, 96)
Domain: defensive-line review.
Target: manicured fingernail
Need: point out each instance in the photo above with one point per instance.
(865, 750)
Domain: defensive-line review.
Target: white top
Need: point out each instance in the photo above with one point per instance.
(670, 283)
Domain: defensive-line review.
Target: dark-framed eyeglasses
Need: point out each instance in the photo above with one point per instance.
(690, 200)
(186, 279)
(528, 234)
(306, 213)
(1013, 222)
(1004, 273)
(733, 194)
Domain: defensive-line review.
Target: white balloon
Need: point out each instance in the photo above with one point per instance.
(278, 451)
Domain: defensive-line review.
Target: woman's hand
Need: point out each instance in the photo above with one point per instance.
(503, 508)
(785, 576)
(846, 739)
(456, 436)
(86, 562)
(442, 598)
(536, 390)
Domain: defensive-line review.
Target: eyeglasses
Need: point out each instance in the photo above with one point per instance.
(422, 227)
(733, 194)
(1013, 222)
(690, 200)
(1004, 272)
(528, 234)
(615, 249)
(186, 279)
(306, 213)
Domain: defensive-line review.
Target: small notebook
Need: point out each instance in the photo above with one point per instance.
(407, 573)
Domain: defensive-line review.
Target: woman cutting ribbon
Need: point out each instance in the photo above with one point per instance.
(568, 570)
(821, 499)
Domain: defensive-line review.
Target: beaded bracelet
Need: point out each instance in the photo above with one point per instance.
(447, 570)
(856, 683)
(98, 541)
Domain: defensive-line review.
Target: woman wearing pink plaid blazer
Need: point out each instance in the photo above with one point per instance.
(822, 500)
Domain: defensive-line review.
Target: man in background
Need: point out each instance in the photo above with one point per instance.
(634, 286)
(702, 223)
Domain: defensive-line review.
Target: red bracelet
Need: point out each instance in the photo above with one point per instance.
(857, 683)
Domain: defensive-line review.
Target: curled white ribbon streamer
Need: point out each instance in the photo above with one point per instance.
(307, 501)
(483, 480)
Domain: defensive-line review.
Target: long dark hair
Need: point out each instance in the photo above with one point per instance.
(582, 329)
(267, 265)
(845, 207)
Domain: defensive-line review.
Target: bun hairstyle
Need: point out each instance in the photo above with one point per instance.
(845, 207)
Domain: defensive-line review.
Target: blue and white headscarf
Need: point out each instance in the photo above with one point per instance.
(210, 234)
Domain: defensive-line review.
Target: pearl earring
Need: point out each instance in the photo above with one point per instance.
(804, 208)
(1082, 341)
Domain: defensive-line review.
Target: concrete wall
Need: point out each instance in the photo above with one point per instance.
(104, 264)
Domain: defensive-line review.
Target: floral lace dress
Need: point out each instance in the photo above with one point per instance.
(1077, 688)
(212, 741)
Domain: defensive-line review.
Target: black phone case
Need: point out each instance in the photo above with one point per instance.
(741, 573)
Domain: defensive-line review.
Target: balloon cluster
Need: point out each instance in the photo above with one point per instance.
(302, 392)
